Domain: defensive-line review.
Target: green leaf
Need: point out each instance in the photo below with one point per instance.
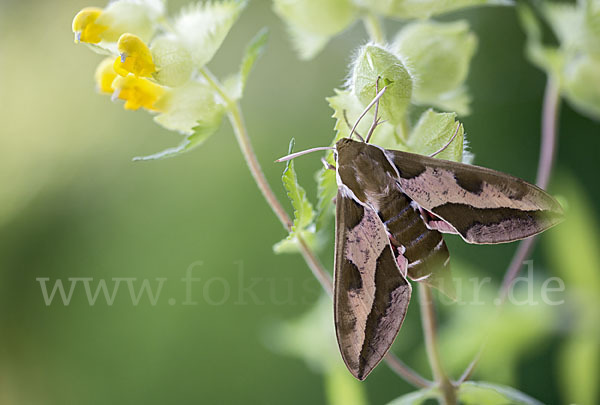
(341, 388)
(202, 27)
(404, 9)
(185, 108)
(304, 215)
(312, 23)
(484, 393)
(433, 131)
(192, 110)
(440, 55)
(374, 62)
(236, 84)
(417, 397)
(201, 133)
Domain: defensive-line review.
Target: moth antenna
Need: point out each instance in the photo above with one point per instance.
(375, 119)
(350, 126)
(373, 102)
(447, 143)
(304, 152)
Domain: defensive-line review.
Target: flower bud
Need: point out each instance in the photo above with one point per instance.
(135, 57)
(85, 26)
(373, 63)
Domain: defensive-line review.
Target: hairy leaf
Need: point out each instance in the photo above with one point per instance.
(304, 214)
(203, 27)
(433, 131)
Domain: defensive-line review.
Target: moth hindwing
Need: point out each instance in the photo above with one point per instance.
(392, 208)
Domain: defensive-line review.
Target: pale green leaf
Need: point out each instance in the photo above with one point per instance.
(405, 9)
(202, 27)
(375, 62)
(312, 23)
(201, 133)
(341, 388)
(236, 84)
(439, 54)
(417, 397)
(581, 83)
(304, 214)
(433, 131)
(186, 107)
(484, 393)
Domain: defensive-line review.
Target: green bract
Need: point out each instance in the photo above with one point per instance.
(375, 62)
(312, 22)
(172, 60)
(440, 55)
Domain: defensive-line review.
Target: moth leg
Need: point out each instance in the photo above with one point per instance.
(402, 260)
(433, 223)
(327, 165)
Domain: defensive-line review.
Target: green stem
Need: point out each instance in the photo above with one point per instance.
(430, 332)
(374, 28)
(236, 119)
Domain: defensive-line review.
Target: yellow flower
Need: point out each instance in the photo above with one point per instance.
(105, 75)
(85, 27)
(135, 57)
(137, 92)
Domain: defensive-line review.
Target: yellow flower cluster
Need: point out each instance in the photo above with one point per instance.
(128, 75)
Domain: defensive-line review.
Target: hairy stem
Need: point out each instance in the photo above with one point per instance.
(550, 114)
(430, 331)
(236, 119)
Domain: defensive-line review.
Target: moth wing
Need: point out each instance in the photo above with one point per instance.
(480, 204)
(371, 295)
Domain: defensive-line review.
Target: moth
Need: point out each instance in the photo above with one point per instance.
(392, 209)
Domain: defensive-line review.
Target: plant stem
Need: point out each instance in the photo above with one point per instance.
(547, 152)
(550, 114)
(236, 119)
(374, 28)
(430, 331)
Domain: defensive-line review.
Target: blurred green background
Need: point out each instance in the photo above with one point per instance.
(73, 204)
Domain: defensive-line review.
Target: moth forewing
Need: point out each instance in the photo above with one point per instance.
(371, 294)
(483, 205)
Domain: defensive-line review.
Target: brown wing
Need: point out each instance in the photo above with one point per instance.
(482, 205)
(371, 295)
